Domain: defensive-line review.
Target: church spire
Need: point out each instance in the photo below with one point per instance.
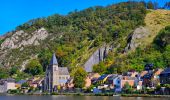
(54, 60)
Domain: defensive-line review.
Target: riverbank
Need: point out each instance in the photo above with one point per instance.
(112, 94)
(144, 95)
(92, 94)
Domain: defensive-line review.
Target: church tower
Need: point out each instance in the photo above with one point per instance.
(54, 70)
(51, 79)
(55, 75)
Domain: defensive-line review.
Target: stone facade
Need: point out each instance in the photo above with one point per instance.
(55, 76)
(6, 85)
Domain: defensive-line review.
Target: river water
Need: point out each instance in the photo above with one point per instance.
(23, 97)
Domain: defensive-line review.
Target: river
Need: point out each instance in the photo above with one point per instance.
(24, 97)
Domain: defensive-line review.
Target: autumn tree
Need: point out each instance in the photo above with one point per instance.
(79, 77)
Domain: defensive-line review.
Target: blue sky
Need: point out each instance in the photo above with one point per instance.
(16, 12)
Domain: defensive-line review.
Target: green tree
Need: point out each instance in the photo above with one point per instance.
(34, 67)
(127, 88)
(166, 55)
(4, 73)
(150, 5)
(79, 77)
(100, 68)
(13, 70)
(25, 84)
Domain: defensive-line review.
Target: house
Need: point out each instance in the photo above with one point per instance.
(8, 84)
(102, 79)
(19, 83)
(143, 73)
(37, 83)
(90, 79)
(34, 82)
(151, 79)
(70, 84)
(139, 85)
(112, 81)
(147, 80)
(165, 76)
(127, 79)
(132, 73)
(55, 75)
(156, 76)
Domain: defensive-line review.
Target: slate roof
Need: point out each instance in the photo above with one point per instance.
(102, 77)
(21, 81)
(166, 71)
(54, 60)
(127, 78)
(63, 71)
(112, 77)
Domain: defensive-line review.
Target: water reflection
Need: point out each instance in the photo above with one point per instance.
(77, 98)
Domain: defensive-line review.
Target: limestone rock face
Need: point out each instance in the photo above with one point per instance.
(99, 55)
(20, 38)
(135, 39)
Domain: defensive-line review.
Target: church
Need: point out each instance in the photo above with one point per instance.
(55, 75)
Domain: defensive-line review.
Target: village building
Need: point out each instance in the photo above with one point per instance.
(19, 83)
(112, 81)
(8, 84)
(90, 79)
(55, 75)
(70, 84)
(126, 79)
(165, 76)
(102, 79)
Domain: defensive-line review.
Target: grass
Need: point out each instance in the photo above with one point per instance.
(155, 21)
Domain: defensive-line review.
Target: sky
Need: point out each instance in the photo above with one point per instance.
(17, 12)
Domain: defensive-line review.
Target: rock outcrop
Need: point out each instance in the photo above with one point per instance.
(20, 38)
(99, 55)
(135, 39)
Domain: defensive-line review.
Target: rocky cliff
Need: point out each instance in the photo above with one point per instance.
(20, 38)
(135, 39)
(99, 55)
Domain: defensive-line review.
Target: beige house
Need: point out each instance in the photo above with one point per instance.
(6, 85)
(90, 77)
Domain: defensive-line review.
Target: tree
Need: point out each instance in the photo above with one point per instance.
(4, 73)
(127, 88)
(150, 5)
(44, 58)
(13, 70)
(166, 55)
(79, 77)
(34, 67)
(25, 84)
(100, 68)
